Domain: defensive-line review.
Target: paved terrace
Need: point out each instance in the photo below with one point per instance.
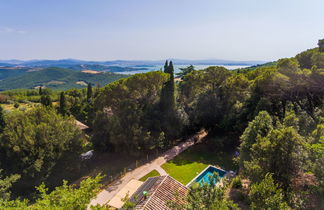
(107, 194)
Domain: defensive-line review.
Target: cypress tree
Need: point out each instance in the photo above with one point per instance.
(62, 108)
(40, 91)
(167, 101)
(89, 91)
(171, 72)
(321, 45)
(2, 121)
(170, 88)
(168, 118)
(166, 67)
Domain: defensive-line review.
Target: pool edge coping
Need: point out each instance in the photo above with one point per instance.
(226, 172)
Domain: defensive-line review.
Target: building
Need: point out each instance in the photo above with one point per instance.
(158, 192)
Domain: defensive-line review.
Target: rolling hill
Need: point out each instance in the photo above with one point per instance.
(56, 78)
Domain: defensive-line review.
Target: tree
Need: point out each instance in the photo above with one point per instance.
(267, 195)
(5, 185)
(258, 128)
(35, 140)
(279, 154)
(62, 107)
(16, 105)
(184, 71)
(318, 59)
(167, 101)
(2, 120)
(202, 94)
(305, 58)
(127, 114)
(171, 122)
(89, 91)
(209, 196)
(321, 45)
(62, 197)
(46, 100)
(67, 196)
(40, 91)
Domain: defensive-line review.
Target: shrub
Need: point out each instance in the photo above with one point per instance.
(237, 183)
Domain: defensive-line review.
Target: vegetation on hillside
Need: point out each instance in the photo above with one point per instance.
(57, 78)
(270, 116)
(133, 114)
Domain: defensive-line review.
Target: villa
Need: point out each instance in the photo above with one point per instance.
(159, 191)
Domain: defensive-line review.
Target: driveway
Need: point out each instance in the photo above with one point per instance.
(107, 194)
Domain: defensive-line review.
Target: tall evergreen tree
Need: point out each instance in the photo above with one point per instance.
(2, 121)
(62, 108)
(166, 66)
(171, 72)
(321, 45)
(170, 122)
(171, 94)
(167, 101)
(40, 91)
(184, 71)
(89, 91)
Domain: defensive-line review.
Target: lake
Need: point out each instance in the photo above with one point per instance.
(177, 68)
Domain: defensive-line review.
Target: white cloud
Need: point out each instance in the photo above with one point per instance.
(11, 30)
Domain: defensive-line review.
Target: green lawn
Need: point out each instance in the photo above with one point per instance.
(151, 174)
(191, 162)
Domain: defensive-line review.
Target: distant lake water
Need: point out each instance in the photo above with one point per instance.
(177, 68)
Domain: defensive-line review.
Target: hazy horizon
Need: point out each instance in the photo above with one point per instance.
(106, 30)
(135, 60)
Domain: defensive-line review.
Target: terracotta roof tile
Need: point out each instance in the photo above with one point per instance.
(161, 190)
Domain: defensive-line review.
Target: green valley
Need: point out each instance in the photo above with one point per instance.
(56, 78)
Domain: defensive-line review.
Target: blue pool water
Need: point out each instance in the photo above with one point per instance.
(209, 172)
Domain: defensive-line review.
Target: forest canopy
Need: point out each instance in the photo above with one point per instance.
(272, 116)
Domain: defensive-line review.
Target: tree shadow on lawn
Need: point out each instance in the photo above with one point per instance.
(111, 165)
(202, 153)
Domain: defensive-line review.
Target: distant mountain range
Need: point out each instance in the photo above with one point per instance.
(71, 73)
(122, 63)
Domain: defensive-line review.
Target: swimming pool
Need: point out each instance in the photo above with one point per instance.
(203, 177)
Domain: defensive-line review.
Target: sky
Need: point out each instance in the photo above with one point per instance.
(159, 29)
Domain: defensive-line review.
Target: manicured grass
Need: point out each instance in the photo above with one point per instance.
(184, 173)
(151, 174)
(191, 162)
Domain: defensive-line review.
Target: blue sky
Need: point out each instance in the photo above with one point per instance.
(158, 29)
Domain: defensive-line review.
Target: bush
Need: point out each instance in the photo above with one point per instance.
(16, 105)
(237, 183)
(267, 195)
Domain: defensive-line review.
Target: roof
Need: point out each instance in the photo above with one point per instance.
(161, 190)
(128, 190)
(81, 125)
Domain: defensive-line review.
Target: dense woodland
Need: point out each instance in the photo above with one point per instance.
(271, 115)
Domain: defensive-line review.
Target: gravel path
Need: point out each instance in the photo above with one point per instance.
(107, 194)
